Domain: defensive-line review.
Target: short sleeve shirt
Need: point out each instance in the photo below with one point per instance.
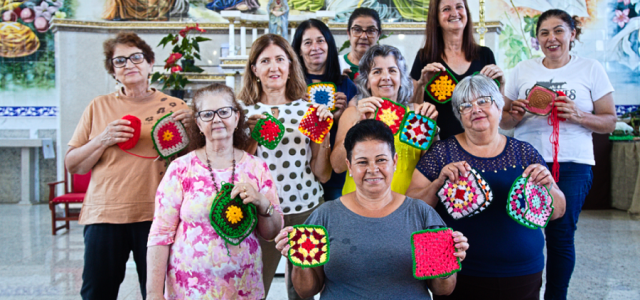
(290, 161)
(447, 121)
(500, 246)
(584, 81)
(123, 186)
(371, 258)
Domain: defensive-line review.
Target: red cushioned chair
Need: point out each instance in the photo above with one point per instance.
(78, 186)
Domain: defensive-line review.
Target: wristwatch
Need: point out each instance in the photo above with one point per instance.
(269, 211)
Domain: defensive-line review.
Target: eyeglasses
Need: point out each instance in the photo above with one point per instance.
(208, 115)
(482, 102)
(371, 31)
(121, 61)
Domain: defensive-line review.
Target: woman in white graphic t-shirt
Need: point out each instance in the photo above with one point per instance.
(588, 107)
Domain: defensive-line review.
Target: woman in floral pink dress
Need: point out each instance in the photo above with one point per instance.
(186, 254)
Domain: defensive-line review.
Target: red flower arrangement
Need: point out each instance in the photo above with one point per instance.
(185, 51)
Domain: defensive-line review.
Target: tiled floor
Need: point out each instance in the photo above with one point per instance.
(36, 265)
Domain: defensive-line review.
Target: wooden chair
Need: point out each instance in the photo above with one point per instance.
(74, 191)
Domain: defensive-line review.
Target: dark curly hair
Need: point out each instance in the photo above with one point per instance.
(368, 130)
(125, 38)
(240, 136)
(572, 21)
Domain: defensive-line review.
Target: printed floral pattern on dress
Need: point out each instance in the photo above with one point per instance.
(199, 266)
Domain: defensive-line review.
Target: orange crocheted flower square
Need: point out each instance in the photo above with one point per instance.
(441, 86)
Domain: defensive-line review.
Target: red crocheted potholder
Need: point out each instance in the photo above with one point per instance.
(392, 114)
(136, 124)
(169, 137)
(314, 129)
(433, 251)
(268, 132)
(540, 100)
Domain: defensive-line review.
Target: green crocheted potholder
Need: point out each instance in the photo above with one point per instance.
(308, 246)
(268, 132)
(233, 220)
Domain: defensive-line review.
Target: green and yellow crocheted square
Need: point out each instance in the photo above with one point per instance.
(268, 132)
(233, 220)
(308, 246)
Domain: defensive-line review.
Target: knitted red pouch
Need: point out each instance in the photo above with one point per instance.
(136, 124)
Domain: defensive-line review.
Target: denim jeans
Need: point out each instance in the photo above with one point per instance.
(575, 183)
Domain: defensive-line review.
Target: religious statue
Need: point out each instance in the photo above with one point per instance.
(241, 5)
(278, 17)
(146, 10)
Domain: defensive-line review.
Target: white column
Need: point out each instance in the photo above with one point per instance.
(232, 38)
(266, 30)
(243, 39)
(254, 34)
(230, 81)
(27, 176)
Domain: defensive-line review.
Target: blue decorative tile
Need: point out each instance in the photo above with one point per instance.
(28, 111)
(623, 109)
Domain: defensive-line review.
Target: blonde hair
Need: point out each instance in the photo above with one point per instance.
(251, 91)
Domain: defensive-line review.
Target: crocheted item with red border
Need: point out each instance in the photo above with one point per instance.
(441, 86)
(517, 204)
(268, 132)
(308, 246)
(467, 197)
(136, 124)
(418, 131)
(314, 129)
(392, 114)
(169, 137)
(433, 251)
(233, 220)
(323, 93)
(529, 204)
(540, 100)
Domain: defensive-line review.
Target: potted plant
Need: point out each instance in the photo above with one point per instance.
(185, 51)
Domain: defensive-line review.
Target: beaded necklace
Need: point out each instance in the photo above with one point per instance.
(233, 171)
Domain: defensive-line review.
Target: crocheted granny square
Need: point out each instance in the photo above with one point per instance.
(540, 203)
(433, 253)
(323, 93)
(233, 220)
(540, 100)
(464, 197)
(517, 205)
(308, 246)
(484, 187)
(169, 137)
(441, 86)
(418, 131)
(392, 114)
(268, 132)
(314, 129)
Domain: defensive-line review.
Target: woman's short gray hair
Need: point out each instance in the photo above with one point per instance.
(366, 63)
(472, 87)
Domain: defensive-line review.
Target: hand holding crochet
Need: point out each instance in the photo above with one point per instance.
(185, 116)
(253, 119)
(117, 131)
(426, 109)
(282, 241)
(323, 112)
(461, 244)
(453, 171)
(367, 107)
(539, 175)
(248, 192)
(341, 104)
(517, 110)
(493, 72)
(567, 109)
(429, 71)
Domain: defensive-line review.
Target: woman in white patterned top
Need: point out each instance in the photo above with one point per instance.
(274, 83)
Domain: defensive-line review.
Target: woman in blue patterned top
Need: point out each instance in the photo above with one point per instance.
(506, 260)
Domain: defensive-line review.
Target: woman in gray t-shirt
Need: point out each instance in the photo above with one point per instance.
(370, 230)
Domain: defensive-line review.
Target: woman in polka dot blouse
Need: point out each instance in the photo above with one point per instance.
(274, 84)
